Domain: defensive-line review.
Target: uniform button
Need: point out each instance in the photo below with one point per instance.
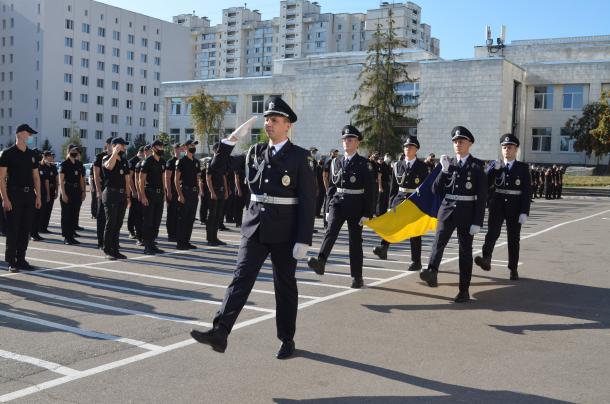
(266, 180)
(269, 166)
(262, 209)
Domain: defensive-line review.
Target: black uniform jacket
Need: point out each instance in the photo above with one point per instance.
(470, 180)
(406, 179)
(517, 179)
(353, 175)
(289, 174)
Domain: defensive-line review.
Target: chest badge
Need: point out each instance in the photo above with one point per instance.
(468, 185)
(352, 179)
(121, 171)
(33, 160)
(517, 182)
(75, 172)
(285, 180)
(417, 180)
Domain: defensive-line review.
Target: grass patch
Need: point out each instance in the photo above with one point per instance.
(588, 181)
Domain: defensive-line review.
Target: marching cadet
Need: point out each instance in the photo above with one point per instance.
(171, 192)
(49, 158)
(326, 181)
(462, 185)
(559, 171)
(151, 194)
(135, 210)
(510, 201)
(20, 190)
(548, 183)
(278, 222)
(540, 181)
(98, 181)
(352, 199)
(72, 186)
(43, 173)
(385, 170)
(187, 193)
(376, 173)
(407, 175)
(116, 196)
(534, 181)
(216, 181)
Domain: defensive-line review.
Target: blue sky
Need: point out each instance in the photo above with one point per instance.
(458, 24)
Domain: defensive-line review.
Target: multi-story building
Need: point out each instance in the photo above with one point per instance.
(80, 66)
(244, 45)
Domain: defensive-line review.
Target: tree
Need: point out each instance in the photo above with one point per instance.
(262, 137)
(138, 142)
(46, 145)
(74, 138)
(168, 149)
(592, 130)
(383, 111)
(207, 115)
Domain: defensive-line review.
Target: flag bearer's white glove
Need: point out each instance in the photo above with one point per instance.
(474, 229)
(522, 218)
(445, 163)
(299, 251)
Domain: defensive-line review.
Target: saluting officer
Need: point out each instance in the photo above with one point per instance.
(187, 194)
(98, 182)
(135, 210)
(47, 208)
(462, 185)
(171, 193)
(72, 185)
(20, 190)
(407, 175)
(279, 221)
(352, 199)
(151, 188)
(510, 200)
(116, 196)
(43, 173)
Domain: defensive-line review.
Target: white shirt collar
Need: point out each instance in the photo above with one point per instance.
(278, 146)
(509, 164)
(348, 158)
(464, 158)
(410, 162)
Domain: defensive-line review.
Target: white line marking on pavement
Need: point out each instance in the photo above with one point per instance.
(53, 367)
(81, 331)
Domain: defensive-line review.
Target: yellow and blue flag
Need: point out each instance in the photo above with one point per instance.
(413, 217)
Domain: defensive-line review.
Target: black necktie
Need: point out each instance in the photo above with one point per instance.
(460, 164)
(272, 151)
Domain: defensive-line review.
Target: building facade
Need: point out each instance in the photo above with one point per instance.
(80, 66)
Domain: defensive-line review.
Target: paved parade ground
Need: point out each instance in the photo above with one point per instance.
(87, 330)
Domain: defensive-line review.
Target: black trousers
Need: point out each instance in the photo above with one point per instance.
(47, 210)
(94, 202)
(320, 200)
(186, 215)
(134, 219)
(215, 216)
(229, 208)
(250, 257)
(384, 200)
(205, 205)
(240, 204)
(151, 215)
(513, 230)
(415, 248)
(38, 215)
(69, 211)
(444, 230)
(18, 224)
(114, 204)
(336, 218)
(171, 219)
(100, 222)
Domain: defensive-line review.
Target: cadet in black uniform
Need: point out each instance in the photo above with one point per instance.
(139, 193)
(151, 183)
(326, 181)
(43, 173)
(72, 186)
(98, 180)
(135, 210)
(187, 194)
(171, 192)
(204, 191)
(47, 208)
(407, 175)
(352, 199)
(116, 196)
(216, 181)
(20, 190)
(463, 186)
(510, 201)
(279, 221)
(385, 169)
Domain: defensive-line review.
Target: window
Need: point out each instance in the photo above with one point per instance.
(84, 45)
(115, 102)
(83, 135)
(68, 59)
(541, 139)
(131, 38)
(142, 106)
(84, 98)
(100, 83)
(129, 87)
(129, 71)
(68, 42)
(128, 120)
(114, 119)
(155, 123)
(157, 61)
(116, 35)
(573, 96)
(255, 135)
(115, 68)
(116, 52)
(86, 28)
(98, 136)
(156, 92)
(83, 115)
(408, 93)
(84, 80)
(130, 55)
(67, 114)
(143, 73)
(157, 45)
(101, 32)
(157, 76)
(66, 132)
(142, 121)
(176, 105)
(100, 100)
(67, 96)
(543, 97)
(129, 104)
(70, 24)
(99, 117)
(143, 90)
(67, 78)
(144, 42)
(566, 142)
(101, 49)
(258, 102)
(115, 85)
(100, 66)
(84, 63)
(143, 58)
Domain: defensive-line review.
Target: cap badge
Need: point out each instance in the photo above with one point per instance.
(285, 180)
(506, 139)
(271, 106)
(457, 132)
(469, 185)
(352, 179)
(517, 182)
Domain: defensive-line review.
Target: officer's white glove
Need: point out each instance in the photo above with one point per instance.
(498, 164)
(362, 219)
(240, 132)
(445, 162)
(326, 216)
(474, 229)
(522, 218)
(299, 251)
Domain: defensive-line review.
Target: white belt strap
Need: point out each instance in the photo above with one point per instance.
(274, 200)
(508, 191)
(407, 190)
(350, 191)
(461, 197)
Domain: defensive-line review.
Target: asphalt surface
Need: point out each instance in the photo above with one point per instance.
(87, 330)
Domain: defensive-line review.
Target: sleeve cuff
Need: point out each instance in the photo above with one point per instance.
(228, 142)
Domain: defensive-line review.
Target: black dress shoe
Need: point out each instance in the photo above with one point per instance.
(171, 239)
(429, 276)
(483, 262)
(12, 268)
(75, 241)
(462, 297)
(76, 235)
(139, 243)
(69, 241)
(216, 338)
(514, 275)
(149, 251)
(223, 228)
(192, 246)
(216, 243)
(381, 252)
(157, 250)
(286, 350)
(80, 228)
(182, 247)
(317, 264)
(357, 283)
(24, 266)
(415, 266)
(132, 236)
(109, 257)
(36, 237)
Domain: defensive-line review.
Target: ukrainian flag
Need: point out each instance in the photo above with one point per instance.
(413, 217)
